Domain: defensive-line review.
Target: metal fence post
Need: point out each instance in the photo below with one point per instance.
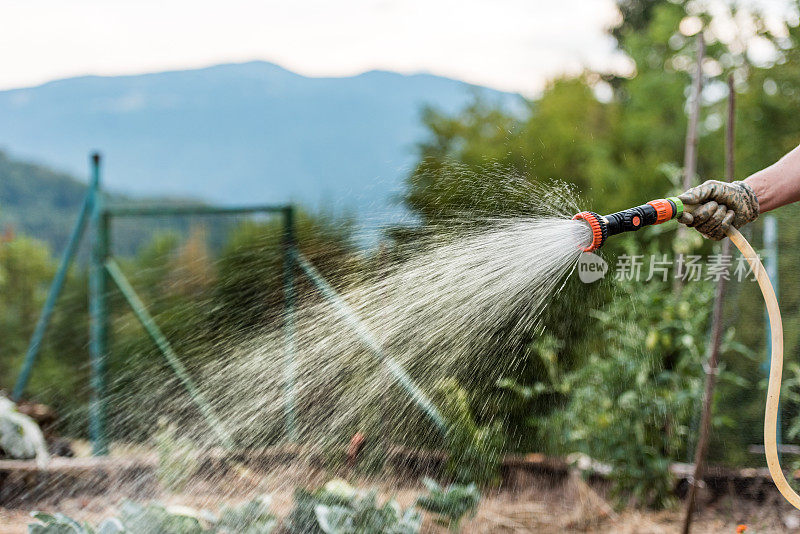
(98, 311)
(362, 332)
(57, 285)
(155, 333)
(290, 369)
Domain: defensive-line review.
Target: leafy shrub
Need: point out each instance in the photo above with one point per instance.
(475, 451)
(253, 517)
(178, 459)
(335, 508)
(451, 503)
(632, 406)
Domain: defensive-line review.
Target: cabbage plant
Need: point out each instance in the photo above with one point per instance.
(20, 436)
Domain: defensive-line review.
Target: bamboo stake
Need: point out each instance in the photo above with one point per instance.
(690, 148)
(716, 334)
(690, 151)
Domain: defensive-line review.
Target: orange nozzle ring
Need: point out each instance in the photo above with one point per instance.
(664, 210)
(592, 219)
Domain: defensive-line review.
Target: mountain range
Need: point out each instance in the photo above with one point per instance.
(237, 133)
(42, 203)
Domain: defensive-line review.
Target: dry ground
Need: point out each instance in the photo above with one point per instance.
(505, 513)
(569, 506)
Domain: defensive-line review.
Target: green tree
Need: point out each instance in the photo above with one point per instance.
(620, 151)
(25, 271)
(249, 294)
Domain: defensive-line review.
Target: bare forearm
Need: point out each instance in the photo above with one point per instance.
(778, 184)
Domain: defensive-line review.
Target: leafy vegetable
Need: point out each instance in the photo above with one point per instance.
(58, 524)
(452, 503)
(335, 508)
(253, 517)
(20, 436)
(338, 508)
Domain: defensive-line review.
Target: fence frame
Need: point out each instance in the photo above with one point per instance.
(98, 215)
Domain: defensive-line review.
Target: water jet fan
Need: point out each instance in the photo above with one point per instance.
(663, 210)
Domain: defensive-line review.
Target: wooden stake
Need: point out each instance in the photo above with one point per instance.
(690, 148)
(690, 151)
(716, 334)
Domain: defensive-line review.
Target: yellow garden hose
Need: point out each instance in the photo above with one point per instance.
(775, 368)
(665, 209)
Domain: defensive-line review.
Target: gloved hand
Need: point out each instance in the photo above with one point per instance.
(721, 204)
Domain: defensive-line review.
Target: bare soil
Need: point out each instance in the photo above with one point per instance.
(568, 505)
(502, 512)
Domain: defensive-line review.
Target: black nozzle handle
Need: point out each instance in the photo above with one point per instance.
(654, 212)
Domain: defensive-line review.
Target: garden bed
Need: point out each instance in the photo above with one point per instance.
(23, 483)
(550, 507)
(536, 493)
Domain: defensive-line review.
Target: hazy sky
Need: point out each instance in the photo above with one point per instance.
(507, 44)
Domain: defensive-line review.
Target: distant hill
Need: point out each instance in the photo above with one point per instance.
(38, 201)
(42, 203)
(235, 133)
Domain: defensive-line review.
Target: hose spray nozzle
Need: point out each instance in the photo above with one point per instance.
(654, 212)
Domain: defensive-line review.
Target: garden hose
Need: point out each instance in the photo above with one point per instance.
(662, 210)
(775, 367)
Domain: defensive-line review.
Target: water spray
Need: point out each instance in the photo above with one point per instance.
(663, 210)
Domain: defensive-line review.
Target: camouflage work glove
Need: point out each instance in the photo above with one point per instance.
(718, 205)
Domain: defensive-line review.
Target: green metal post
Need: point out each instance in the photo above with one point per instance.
(52, 297)
(290, 369)
(161, 342)
(98, 311)
(350, 317)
